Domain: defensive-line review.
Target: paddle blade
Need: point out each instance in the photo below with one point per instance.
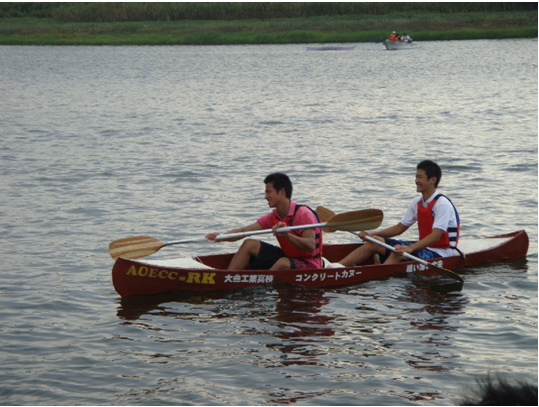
(366, 219)
(324, 215)
(445, 272)
(134, 247)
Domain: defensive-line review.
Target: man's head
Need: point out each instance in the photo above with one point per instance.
(431, 170)
(280, 181)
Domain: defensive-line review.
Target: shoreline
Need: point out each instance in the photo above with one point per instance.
(312, 30)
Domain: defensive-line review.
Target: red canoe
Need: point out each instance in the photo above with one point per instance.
(208, 273)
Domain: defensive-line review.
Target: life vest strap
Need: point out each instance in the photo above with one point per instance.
(317, 234)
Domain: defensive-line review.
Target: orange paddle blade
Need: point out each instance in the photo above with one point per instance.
(134, 247)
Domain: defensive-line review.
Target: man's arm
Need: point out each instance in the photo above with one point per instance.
(250, 228)
(392, 231)
(306, 241)
(409, 218)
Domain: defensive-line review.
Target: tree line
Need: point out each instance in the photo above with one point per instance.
(117, 12)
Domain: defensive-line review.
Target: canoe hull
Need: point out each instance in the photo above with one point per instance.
(332, 48)
(141, 277)
(397, 45)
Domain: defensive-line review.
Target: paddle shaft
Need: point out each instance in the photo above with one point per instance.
(140, 246)
(245, 234)
(408, 255)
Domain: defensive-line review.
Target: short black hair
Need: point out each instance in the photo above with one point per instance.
(431, 169)
(498, 392)
(280, 181)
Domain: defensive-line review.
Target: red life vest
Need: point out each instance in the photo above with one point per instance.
(393, 37)
(288, 248)
(425, 220)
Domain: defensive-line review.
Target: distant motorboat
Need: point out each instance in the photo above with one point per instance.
(331, 48)
(394, 45)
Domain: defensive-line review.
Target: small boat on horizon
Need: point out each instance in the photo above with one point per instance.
(397, 45)
(332, 48)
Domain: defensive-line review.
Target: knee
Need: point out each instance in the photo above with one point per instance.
(393, 258)
(374, 248)
(252, 246)
(282, 264)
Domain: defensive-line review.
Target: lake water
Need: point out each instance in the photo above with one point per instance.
(99, 143)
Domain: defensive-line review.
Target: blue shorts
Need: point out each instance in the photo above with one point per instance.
(424, 254)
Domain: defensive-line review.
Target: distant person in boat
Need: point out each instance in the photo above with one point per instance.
(393, 36)
(437, 219)
(406, 38)
(299, 249)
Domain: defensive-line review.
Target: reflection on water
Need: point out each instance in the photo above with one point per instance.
(303, 325)
(306, 330)
(297, 317)
(509, 265)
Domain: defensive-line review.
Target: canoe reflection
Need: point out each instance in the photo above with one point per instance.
(433, 346)
(132, 308)
(296, 310)
(305, 324)
(302, 325)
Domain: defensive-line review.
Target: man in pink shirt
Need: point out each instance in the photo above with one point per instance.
(299, 249)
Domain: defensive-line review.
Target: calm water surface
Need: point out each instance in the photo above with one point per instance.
(99, 143)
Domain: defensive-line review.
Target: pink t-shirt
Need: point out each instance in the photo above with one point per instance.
(304, 216)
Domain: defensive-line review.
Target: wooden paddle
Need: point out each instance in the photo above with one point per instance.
(324, 213)
(141, 246)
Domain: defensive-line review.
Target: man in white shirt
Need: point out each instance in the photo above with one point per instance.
(438, 224)
(406, 38)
